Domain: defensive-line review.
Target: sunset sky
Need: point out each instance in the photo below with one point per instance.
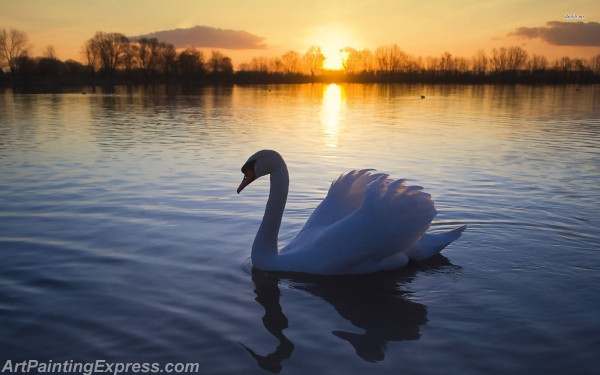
(247, 29)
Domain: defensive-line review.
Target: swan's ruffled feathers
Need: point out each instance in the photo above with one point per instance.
(345, 196)
(367, 217)
(402, 213)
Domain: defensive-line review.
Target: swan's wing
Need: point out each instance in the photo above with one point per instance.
(394, 215)
(391, 218)
(345, 196)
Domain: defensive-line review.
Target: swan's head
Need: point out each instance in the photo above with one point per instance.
(260, 164)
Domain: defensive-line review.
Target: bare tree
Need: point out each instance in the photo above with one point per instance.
(13, 45)
(579, 65)
(276, 65)
(565, 64)
(148, 54)
(399, 59)
(516, 58)
(537, 63)
(390, 59)
(447, 62)
(594, 64)
(313, 60)
(432, 64)
(108, 49)
(461, 65)
(351, 60)
(50, 52)
(90, 56)
(191, 62)
(259, 64)
(479, 62)
(168, 58)
(129, 60)
(219, 63)
(367, 60)
(499, 59)
(414, 64)
(291, 62)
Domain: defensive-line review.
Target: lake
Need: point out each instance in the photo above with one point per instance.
(122, 238)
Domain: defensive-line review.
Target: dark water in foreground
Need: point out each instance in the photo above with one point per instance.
(122, 238)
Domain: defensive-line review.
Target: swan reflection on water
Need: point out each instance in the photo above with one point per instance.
(375, 303)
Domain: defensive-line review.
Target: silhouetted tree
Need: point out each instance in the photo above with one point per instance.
(75, 67)
(461, 65)
(431, 64)
(13, 45)
(367, 60)
(565, 64)
(499, 60)
(291, 62)
(351, 60)
(219, 63)
(516, 58)
(259, 64)
(90, 56)
(191, 63)
(276, 65)
(446, 62)
(148, 54)
(130, 57)
(48, 66)
(390, 59)
(479, 63)
(111, 52)
(107, 48)
(50, 52)
(25, 66)
(537, 63)
(168, 58)
(313, 60)
(594, 64)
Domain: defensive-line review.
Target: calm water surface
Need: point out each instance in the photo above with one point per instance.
(122, 237)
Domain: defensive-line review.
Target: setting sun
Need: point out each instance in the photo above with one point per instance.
(332, 39)
(333, 58)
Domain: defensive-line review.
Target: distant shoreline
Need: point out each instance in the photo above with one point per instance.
(56, 83)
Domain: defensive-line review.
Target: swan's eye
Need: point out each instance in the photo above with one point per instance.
(249, 175)
(249, 167)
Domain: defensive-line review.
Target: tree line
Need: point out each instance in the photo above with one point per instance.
(389, 63)
(116, 58)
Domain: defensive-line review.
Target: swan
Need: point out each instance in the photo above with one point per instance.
(366, 223)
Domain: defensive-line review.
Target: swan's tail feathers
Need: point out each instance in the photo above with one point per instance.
(432, 243)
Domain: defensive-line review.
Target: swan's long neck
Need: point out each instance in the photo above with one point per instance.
(265, 243)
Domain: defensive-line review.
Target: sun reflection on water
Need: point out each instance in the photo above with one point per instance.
(334, 103)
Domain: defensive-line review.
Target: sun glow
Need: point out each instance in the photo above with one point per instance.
(333, 58)
(332, 39)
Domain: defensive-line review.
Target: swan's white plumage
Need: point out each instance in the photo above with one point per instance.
(366, 223)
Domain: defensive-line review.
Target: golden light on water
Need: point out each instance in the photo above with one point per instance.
(334, 103)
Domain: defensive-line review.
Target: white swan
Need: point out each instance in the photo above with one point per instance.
(367, 223)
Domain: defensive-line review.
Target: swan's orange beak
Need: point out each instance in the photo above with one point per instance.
(248, 178)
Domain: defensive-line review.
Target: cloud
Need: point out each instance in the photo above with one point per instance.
(563, 33)
(204, 36)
